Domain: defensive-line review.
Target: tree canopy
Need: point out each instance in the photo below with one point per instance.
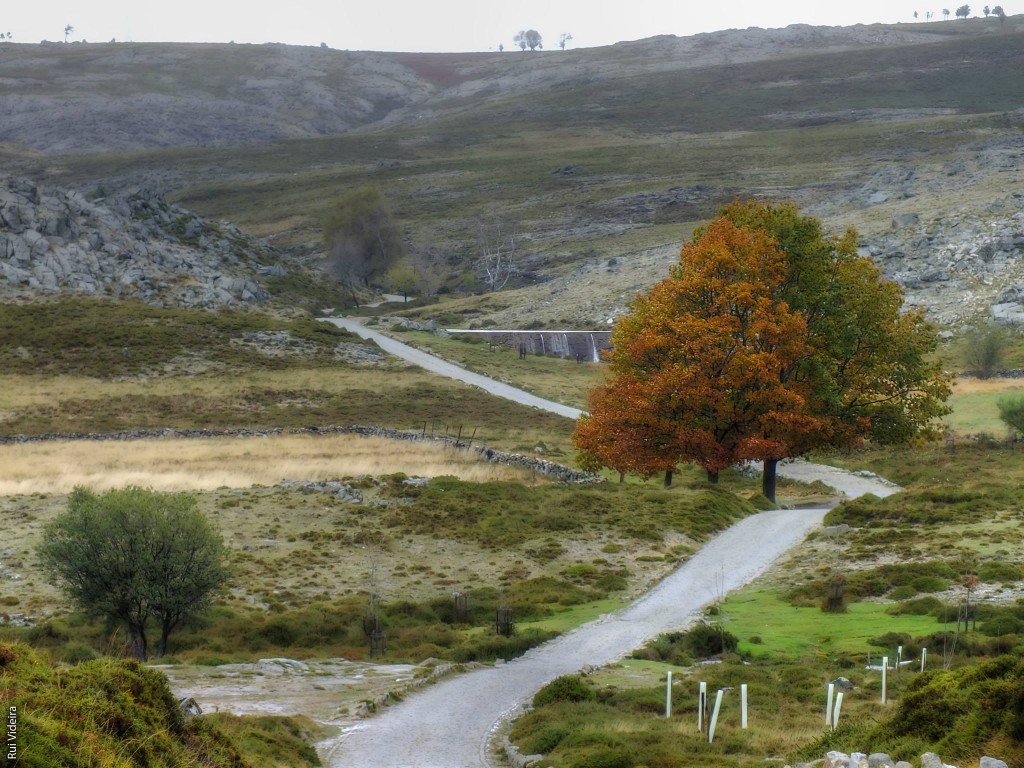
(767, 340)
(361, 237)
(528, 38)
(136, 557)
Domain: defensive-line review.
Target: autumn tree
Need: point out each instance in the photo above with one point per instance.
(871, 374)
(699, 365)
(361, 238)
(768, 340)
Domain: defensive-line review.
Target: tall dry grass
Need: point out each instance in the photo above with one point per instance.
(206, 464)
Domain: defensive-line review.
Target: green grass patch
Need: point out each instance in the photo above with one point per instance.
(788, 631)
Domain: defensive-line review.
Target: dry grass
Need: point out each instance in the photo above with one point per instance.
(207, 464)
(970, 386)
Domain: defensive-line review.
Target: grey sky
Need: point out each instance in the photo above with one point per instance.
(428, 25)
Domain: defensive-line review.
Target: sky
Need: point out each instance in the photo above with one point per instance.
(427, 25)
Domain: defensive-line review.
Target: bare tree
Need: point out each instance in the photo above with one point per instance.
(564, 38)
(497, 254)
(68, 29)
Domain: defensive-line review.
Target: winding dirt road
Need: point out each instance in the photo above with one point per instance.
(450, 725)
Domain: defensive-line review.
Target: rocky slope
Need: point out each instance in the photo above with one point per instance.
(132, 245)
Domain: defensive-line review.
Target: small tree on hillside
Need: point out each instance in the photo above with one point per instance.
(999, 13)
(1011, 411)
(986, 10)
(135, 557)
(945, 13)
(529, 38)
(963, 11)
(498, 244)
(564, 38)
(985, 351)
(68, 29)
(361, 238)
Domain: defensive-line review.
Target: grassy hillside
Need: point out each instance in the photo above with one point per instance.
(109, 712)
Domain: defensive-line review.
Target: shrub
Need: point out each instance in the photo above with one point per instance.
(564, 688)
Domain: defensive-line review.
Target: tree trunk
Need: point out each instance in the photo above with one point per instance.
(622, 477)
(768, 479)
(138, 643)
(165, 634)
(713, 477)
(668, 478)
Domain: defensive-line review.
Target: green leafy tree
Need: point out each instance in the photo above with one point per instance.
(963, 11)
(945, 13)
(999, 13)
(986, 350)
(136, 557)
(361, 238)
(1011, 411)
(986, 10)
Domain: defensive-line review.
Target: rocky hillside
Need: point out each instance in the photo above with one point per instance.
(132, 245)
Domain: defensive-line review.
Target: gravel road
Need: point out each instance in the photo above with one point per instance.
(450, 725)
(444, 368)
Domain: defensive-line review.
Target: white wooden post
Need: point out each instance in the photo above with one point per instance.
(924, 657)
(885, 669)
(668, 695)
(899, 656)
(714, 716)
(835, 712)
(702, 702)
(828, 705)
(743, 706)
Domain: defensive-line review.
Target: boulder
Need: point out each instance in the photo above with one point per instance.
(991, 762)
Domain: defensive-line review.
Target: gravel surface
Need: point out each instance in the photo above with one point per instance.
(450, 725)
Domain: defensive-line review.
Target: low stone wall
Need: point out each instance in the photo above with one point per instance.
(541, 466)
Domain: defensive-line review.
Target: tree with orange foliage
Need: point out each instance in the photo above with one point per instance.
(872, 374)
(700, 366)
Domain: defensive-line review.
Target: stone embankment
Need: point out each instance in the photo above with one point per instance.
(550, 469)
(133, 245)
(882, 760)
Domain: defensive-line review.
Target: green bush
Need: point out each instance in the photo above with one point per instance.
(564, 688)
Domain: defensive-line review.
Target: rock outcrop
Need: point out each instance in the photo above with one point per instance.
(133, 245)
(962, 267)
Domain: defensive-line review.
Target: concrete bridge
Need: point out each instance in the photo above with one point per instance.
(578, 345)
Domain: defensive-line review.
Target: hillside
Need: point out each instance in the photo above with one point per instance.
(602, 159)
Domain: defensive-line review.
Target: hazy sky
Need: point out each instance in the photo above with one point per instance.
(426, 25)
